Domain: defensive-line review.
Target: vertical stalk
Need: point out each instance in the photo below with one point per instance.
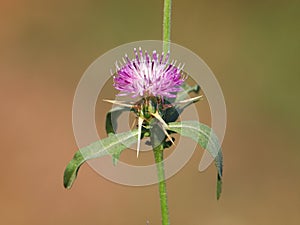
(167, 25)
(158, 148)
(156, 131)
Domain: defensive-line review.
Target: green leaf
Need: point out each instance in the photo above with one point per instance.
(112, 145)
(111, 119)
(219, 186)
(72, 169)
(219, 165)
(111, 125)
(172, 114)
(207, 139)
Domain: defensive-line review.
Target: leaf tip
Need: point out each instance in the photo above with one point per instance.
(219, 186)
(71, 170)
(68, 177)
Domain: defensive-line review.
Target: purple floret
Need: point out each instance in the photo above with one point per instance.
(148, 76)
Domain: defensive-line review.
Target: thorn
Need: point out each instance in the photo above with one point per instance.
(140, 123)
(132, 125)
(118, 103)
(168, 136)
(189, 100)
(158, 117)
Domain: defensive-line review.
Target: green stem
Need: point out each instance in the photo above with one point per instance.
(167, 25)
(156, 131)
(158, 148)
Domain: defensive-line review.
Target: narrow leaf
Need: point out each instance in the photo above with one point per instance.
(112, 145)
(72, 169)
(111, 119)
(207, 139)
(172, 114)
(219, 165)
(111, 125)
(219, 186)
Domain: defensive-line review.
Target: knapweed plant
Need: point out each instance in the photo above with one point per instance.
(158, 89)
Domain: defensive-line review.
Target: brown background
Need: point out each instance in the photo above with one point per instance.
(252, 47)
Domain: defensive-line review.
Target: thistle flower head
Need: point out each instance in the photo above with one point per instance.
(147, 75)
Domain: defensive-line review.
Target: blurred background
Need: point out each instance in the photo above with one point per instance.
(253, 48)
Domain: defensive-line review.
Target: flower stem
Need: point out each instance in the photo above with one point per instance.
(158, 148)
(167, 25)
(156, 131)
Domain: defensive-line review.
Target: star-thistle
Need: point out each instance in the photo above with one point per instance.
(153, 79)
(157, 86)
